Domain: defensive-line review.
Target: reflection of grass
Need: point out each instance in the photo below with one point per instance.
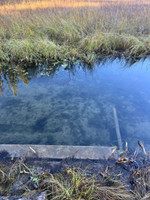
(38, 30)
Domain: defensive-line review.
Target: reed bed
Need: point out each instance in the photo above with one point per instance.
(43, 31)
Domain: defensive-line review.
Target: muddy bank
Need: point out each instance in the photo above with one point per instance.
(126, 177)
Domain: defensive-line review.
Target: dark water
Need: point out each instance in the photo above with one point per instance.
(73, 105)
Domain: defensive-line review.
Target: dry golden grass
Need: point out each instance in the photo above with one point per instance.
(44, 4)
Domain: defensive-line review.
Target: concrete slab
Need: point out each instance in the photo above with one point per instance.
(58, 151)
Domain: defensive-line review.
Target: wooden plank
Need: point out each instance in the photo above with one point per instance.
(117, 128)
(58, 151)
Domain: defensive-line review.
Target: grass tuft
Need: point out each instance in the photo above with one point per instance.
(48, 30)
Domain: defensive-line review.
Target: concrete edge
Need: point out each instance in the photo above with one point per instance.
(58, 151)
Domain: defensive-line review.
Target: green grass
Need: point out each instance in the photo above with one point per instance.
(73, 183)
(70, 184)
(43, 35)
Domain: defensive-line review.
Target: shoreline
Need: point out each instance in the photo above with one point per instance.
(112, 179)
(42, 51)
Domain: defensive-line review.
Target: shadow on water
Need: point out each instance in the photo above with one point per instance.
(72, 103)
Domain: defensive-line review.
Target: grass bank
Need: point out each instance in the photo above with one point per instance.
(44, 31)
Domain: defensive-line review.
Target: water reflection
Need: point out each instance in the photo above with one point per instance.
(72, 103)
(12, 74)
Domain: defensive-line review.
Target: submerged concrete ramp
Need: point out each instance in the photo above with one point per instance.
(57, 151)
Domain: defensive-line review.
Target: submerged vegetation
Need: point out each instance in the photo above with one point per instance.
(43, 31)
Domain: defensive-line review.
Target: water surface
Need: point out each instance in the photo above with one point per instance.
(74, 105)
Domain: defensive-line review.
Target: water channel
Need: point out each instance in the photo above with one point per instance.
(73, 104)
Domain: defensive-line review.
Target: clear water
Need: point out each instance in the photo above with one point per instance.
(74, 105)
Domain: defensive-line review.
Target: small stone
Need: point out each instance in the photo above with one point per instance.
(42, 196)
(3, 198)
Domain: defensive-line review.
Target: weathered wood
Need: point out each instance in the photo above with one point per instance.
(117, 128)
(58, 151)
